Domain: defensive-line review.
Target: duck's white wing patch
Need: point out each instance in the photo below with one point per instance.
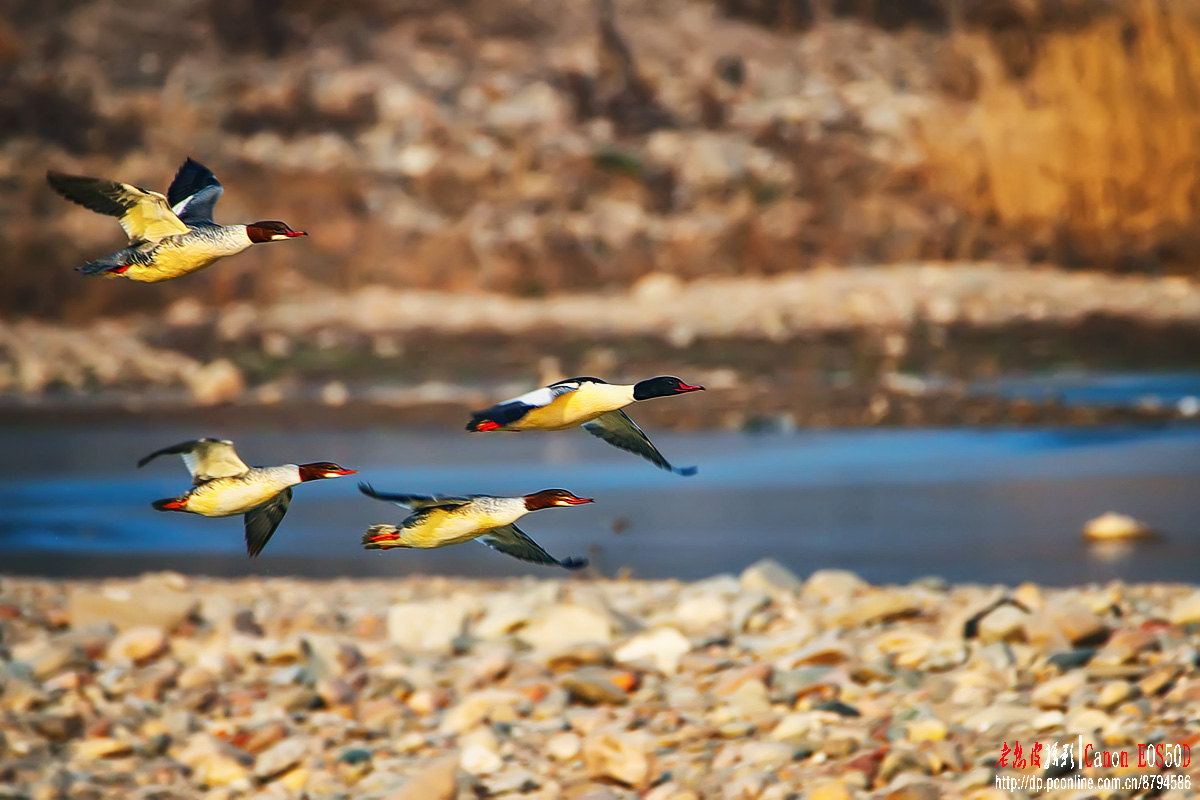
(205, 459)
(145, 215)
(510, 411)
(540, 398)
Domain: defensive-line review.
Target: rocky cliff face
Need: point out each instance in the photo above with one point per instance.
(522, 146)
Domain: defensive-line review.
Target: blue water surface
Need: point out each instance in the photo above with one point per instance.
(1003, 505)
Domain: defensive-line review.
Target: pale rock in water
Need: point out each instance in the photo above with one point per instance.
(1111, 526)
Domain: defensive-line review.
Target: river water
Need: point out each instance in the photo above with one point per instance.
(892, 505)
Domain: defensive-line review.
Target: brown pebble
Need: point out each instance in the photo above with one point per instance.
(335, 692)
(57, 727)
(426, 701)
(731, 680)
(923, 790)
(97, 728)
(579, 655)
(866, 763)
(1160, 680)
(438, 781)
(261, 737)
(899, 761)
(535, 692)
(378, 714)
(620, 756)
(597, 685)
(834, 790)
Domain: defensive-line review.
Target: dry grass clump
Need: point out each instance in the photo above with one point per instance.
(1095, 154)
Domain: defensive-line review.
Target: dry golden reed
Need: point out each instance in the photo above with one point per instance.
(1098, 146)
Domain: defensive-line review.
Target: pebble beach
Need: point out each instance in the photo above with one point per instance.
(757, 685)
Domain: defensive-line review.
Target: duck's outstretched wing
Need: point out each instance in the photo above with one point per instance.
(619, 430)
(204, 458)
(262, 521)
(145, 215)
(504, 414)
(512, 541)
(194, 192)
(414, 502)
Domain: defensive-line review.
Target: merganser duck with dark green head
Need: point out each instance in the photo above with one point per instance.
(592, 404)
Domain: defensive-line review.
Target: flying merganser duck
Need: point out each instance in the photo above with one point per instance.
(439, 521)
(589, 402)
(223, 486)
(168, 236)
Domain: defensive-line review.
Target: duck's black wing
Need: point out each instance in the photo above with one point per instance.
(619, 430)
(262, 521)
(194, 192)
(512, 541)
(414, 502)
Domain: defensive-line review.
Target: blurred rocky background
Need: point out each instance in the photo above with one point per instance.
(940, 157)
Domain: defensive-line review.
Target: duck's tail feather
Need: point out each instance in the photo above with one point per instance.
(170, 504)
(104, 267)
(381, 537)
(480, 421)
